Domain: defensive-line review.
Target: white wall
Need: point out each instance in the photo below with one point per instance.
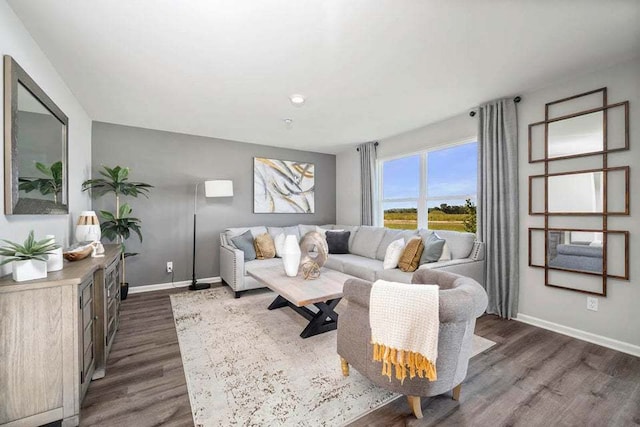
(617, 316)
(456, 129)
(16, 41)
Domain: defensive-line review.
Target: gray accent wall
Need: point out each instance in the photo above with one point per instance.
(174, 163)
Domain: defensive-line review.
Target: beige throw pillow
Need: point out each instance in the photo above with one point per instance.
(410, 258)
(264, 246)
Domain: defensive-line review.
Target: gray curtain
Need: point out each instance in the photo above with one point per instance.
(367, 181)
(498, 203)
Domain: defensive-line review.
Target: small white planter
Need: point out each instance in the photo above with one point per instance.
(30, 269)
(291, 255)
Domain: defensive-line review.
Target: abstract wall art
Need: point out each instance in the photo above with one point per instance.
(283, 186)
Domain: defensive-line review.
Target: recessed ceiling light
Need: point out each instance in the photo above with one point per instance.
(297, 100)
(288, 123)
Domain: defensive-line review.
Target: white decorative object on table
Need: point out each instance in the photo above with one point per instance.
(54, 261)
(29, 269)
(291, 255)
(88, 227)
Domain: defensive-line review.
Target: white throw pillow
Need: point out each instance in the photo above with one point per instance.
(446, 253)
(393, 254)
(279, 244)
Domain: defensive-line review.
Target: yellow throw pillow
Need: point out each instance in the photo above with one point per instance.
(410, 258)
(265, 248)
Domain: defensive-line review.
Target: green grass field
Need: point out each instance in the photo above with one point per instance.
(437, 221)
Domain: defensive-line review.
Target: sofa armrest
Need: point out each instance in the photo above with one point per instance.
(478, 251)
(357, 291)
(232, 266)
(468, 268)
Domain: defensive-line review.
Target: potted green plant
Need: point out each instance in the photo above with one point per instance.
(29, 259)
(52, 184)
(119, 224)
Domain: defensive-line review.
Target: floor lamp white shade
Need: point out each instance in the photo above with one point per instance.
(212, 188)
(218, 188)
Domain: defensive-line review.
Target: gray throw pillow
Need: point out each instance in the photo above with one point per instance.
(244, 242)
(338, 242)
(433, 246)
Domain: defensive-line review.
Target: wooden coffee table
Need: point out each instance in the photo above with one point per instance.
(324, 293)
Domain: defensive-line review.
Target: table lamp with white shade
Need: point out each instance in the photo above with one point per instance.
(212, 188)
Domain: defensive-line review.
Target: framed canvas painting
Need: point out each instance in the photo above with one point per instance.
(283, 186)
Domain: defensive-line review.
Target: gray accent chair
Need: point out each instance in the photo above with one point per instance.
(462, 300)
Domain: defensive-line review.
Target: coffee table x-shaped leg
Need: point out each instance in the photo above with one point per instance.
(326, 319)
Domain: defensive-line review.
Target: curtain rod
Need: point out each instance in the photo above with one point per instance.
(516, 100)
(375, 144)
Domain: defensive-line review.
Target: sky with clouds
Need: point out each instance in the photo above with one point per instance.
(450, 172)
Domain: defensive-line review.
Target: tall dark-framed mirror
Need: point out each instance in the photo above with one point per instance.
(36, 145)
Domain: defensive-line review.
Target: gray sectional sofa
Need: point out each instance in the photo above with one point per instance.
(367, 248)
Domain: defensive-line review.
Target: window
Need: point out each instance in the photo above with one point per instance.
(435, 189)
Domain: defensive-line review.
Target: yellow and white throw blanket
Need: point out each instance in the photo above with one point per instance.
(404, 328)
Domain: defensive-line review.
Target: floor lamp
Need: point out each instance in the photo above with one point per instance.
(214, 188)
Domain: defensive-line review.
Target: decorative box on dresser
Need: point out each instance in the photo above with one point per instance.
(55, 336)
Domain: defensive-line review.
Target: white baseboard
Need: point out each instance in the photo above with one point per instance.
(161, 286)
(581, 335)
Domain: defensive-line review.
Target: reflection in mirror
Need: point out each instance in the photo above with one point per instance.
(35, 140)
(576, 135)
(575, 250)
(40, 144)
(577, 192)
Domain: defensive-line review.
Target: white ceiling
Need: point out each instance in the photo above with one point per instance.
(369, 69)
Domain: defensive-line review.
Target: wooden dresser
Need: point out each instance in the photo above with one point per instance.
(55, 336)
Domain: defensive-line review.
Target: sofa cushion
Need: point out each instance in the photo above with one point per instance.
(257, 263)
(338, 241)
(460, 244)
(395, 275)
(244, 242)
(358, 266)
(410, 258)
(367, 241)
(352, 228)
(304, 229)
(391, 235)
(334, 262)
(233, 232)
(440, 264)
(433, 248)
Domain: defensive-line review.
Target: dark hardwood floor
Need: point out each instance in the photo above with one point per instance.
(531, 377)
(145, 383)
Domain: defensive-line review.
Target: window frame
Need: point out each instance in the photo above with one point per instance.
(423, 196)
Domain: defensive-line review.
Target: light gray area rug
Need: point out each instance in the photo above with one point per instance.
(248, 366)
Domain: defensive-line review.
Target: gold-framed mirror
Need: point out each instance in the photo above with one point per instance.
(36, 147)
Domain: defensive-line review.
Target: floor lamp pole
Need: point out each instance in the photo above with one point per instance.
(195, 286)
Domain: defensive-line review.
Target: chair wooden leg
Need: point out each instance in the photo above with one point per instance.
(345, 366)
(456, 392)
(414, 404)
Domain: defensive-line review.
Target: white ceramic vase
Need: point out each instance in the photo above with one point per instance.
(54, 260)
(88, 227)
(30, 269)
(291, 255)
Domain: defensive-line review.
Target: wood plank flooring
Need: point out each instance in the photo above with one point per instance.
(531, 377)
(145, 383)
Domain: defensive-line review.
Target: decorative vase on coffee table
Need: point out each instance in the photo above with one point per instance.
(291, 255)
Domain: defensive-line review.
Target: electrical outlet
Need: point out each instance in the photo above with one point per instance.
(169, 266)
(592, 303)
